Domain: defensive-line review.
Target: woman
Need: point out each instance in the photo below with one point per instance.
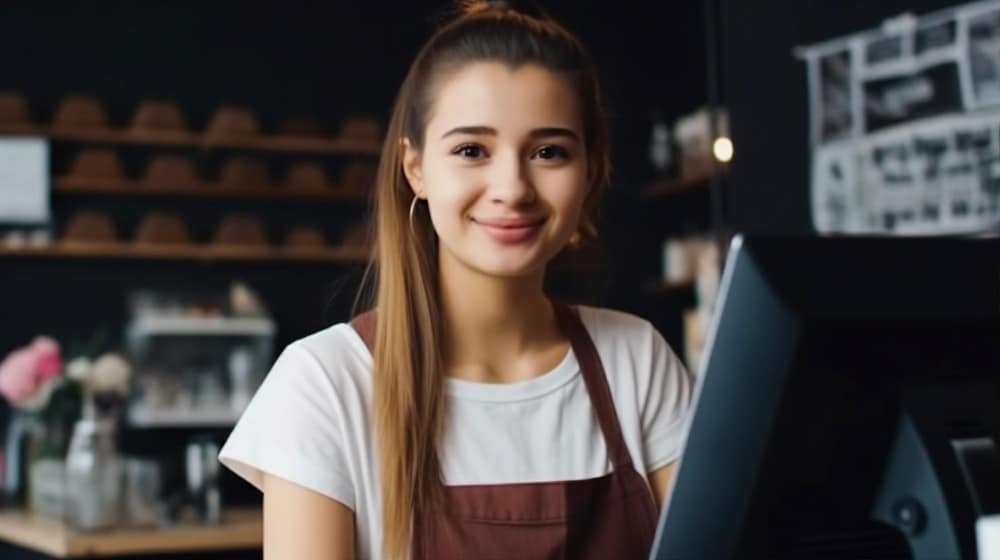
(469, 416)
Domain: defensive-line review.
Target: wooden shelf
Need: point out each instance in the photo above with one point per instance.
(240, 529)
(661, 189)
(659, 286)
(141, 417)
(262, 142)
(152, 325)
(188, 252)
(127, 187)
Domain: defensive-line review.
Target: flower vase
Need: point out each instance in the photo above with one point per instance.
(19, 426)
(47, 471)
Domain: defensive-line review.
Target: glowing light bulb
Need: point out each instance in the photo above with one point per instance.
(722, 149)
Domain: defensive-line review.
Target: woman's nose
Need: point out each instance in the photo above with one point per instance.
(510, 181)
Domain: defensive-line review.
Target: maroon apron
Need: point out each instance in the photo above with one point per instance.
(612, 516)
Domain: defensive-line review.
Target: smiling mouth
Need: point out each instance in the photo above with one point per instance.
(510, 231)
(510, 223)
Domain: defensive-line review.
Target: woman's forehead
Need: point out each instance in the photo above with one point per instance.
(510, 100)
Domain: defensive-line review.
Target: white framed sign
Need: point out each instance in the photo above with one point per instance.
(24, 180)
(904, 125)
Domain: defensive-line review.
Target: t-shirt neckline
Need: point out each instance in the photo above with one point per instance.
(563, 373)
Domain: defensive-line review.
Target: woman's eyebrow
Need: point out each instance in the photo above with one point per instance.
(550, 131)
(471, 130)
(544, 132)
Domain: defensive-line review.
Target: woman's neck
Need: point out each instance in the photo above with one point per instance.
(496, 329)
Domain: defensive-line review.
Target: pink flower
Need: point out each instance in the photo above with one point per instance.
(26, 373)
(16, 378)
(48, 363)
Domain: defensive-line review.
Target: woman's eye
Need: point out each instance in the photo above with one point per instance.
(470, 151)
(552, 152)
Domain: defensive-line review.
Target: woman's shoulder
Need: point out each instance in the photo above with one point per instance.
(607, 322)
(646, 375)
(621, 335)
(332, 342)
(334, 355)
(305, 417)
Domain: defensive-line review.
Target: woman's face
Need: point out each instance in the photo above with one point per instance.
(503, 167)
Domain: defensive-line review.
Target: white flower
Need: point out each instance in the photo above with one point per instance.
(80, 369)
(110, 372)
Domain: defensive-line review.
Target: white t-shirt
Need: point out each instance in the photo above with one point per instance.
(310, 420)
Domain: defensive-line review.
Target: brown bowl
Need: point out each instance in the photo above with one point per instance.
(14, 110)
(242, 172)
(232, 121)
(170, 170)
(158, 115)
(306, 176)
(162, 228)
(305, 237)
(240, 229)
(97, 163)
(81, 111)
(90, 226)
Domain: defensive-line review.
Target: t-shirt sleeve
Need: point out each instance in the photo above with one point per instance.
(666, 403)
(292, 429)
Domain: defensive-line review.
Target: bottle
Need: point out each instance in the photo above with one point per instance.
(93, 476)
(202, 470)
(662, 149)
(241, 370)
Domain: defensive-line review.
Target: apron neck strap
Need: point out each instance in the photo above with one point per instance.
(364, 325)
(596, 381)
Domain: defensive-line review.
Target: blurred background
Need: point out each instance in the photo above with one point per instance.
(184, 188)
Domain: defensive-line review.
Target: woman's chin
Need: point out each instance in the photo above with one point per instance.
(510, 266)
(513, 261)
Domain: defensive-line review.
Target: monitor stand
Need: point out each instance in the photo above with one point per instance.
(917, 490)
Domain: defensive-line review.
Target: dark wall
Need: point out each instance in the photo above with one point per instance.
(764, 87)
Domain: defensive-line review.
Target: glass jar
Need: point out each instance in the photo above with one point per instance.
(93, 476)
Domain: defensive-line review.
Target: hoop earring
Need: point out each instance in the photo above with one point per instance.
(413, 206)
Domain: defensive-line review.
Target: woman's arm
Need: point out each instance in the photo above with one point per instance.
(303, 524)
(660, 481)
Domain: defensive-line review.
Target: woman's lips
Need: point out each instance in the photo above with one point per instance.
(510, 230)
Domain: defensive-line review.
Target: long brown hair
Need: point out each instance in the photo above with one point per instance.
(402, 276)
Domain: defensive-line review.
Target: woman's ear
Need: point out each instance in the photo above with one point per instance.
(411, 166)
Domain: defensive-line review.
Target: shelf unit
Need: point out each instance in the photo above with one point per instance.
(127, 187)
(141, 417)
(658, 191)
(187, 325)
(660, 287)
(201, 141)
(85, 250)
(677, 208)
(668, 187)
